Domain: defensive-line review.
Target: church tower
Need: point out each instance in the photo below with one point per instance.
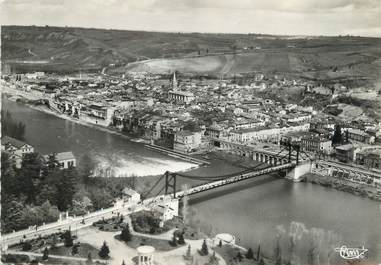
(174, 82)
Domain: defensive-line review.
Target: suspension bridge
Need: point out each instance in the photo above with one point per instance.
(286, 159)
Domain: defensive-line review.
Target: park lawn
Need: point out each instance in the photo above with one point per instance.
(83, 251)
(158, 244)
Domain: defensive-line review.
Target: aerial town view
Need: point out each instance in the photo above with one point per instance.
(188, 132)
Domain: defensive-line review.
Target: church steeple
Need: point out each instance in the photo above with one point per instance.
(174, 81)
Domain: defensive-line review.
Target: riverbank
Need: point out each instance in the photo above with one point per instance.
(111, 130)
(345, 185)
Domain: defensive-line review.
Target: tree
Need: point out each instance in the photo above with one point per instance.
(47, 193)
(104, 251)
(261, 262)
(258, 252)
(66, 189)
(89, 259)
(123, 263)
(278, 254)
(188, 254)
(54, 241)
(45, 255)
(181, 239)
(68, 239)
(220, 243)
(49, 212)
(204, 249)
(12, 213)
(125, 235)
(250, 254)
(87, 167)
(173, 241)
(74, 249)
(81, 206)
(239, 256)
(26, 246)
(213, 260)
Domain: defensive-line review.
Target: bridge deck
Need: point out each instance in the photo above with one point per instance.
(236, 178)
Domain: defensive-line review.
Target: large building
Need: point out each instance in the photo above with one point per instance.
(186, 141)
(359, 136)
(369, 158)
(177, 95)
(316, 144)
(344, 153)
(265, 133)
(16, 149)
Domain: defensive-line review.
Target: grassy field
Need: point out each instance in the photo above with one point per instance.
(83, 251)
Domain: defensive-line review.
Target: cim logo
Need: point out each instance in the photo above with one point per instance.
(351, 253)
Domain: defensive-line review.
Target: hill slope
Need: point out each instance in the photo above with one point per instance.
(26, 48)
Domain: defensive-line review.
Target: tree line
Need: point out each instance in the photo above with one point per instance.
(38, 191)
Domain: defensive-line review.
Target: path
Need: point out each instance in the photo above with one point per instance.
(50, 256)
(164, 236)
(120, 251)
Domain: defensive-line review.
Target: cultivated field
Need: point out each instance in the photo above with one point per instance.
(28, 48)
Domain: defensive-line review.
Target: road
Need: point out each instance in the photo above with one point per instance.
(33, 254)
(72, 223)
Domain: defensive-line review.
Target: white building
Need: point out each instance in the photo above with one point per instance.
(16, 149)
(186, 141)
(130, 196)
(261, 133)
(167, 209)
(65, 160)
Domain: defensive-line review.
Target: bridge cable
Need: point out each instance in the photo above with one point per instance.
(157, 182)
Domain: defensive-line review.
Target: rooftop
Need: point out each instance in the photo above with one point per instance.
(12, 141)
(62, 156)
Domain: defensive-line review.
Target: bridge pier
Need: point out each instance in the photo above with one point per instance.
(299, 170)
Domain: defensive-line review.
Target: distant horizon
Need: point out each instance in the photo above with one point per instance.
(268, 17)
(192, 32)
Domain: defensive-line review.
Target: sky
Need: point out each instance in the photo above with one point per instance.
(282, 17)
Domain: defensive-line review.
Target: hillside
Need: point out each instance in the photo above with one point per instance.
(26, 48)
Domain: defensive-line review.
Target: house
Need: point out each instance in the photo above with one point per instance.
(130, 196)
(186, 141)
(16, 149)
(344, 153)
(65, 160)
(102, 112)
(167, 209)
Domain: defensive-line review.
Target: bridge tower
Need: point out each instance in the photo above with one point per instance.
(293, 150)
(170, 183)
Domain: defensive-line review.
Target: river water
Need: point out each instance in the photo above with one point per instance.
(255, 211)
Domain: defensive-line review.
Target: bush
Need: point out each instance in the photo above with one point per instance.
(68, 239)
(26, 246)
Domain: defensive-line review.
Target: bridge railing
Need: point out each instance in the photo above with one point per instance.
(238, 177)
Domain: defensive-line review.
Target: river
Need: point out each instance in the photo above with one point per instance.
(255, 211)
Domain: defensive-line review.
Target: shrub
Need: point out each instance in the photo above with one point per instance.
(26, 246)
